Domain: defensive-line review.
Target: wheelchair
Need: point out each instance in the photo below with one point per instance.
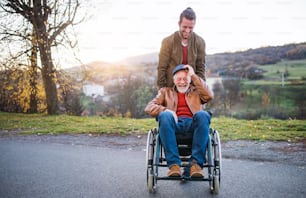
(155, 159)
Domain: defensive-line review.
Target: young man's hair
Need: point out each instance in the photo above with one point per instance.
(188, 13)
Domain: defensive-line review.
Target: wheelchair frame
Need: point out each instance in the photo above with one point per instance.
(155, 159)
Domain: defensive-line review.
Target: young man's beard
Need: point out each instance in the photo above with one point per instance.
(185, 35)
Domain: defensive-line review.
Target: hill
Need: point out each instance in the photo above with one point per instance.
(215, 62)
(236, 64)
(258, 56)
(141, 59)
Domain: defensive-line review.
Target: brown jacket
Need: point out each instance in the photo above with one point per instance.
(171, 55)
(197, 95)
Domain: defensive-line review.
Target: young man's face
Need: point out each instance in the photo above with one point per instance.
(186, 27)
(181, 81)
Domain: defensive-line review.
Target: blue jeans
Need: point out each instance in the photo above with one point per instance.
(198, 125)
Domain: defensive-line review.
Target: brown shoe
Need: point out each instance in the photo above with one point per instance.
(196, 171)
(174, 171)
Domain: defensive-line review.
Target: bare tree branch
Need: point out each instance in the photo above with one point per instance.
(18, 7)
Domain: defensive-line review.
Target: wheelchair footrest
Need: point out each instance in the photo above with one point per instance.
(185, 178)
(183, 165)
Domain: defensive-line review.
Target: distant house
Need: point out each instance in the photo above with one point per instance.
(211, 79)
(93, 90)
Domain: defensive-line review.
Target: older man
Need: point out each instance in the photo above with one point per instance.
(179, 110)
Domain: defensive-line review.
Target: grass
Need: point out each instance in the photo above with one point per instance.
(273, 73)
(286, 97)
(43, 124)
(229, 128)
(296, 69)
(260, 130)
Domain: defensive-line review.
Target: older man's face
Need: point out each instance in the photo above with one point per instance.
(181, 81)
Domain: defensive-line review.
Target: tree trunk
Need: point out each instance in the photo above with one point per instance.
(39, 21)
(49, 80)
(48, 70)
(33, 76)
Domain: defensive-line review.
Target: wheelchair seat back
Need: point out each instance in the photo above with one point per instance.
(184, 143)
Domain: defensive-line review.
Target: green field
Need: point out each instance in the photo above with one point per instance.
(229, 128)
(270, 97)
(273, 74)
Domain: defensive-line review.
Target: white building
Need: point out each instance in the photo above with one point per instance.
(212, 80)
(93, 90)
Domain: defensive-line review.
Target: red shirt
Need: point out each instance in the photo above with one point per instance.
(185, 55)
(182, 107)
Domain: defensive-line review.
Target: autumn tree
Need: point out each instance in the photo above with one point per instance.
(48, 21)
(132, 95)
(218, 104)
(232, 88)
(19, 51)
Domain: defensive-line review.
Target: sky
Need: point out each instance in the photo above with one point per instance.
(124, 28)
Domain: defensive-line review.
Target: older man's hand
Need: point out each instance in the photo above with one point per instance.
(190, 70)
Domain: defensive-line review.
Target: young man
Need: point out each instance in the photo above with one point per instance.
(179, 110)
(181, 47)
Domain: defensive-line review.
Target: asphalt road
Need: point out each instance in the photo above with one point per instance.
(45, 169)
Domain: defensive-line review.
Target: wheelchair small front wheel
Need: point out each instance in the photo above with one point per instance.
(150, 181)
(216, 185)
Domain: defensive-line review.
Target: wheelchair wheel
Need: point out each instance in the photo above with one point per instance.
(216, 151)
(156, 160)
(151, 180)
(210, 163)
